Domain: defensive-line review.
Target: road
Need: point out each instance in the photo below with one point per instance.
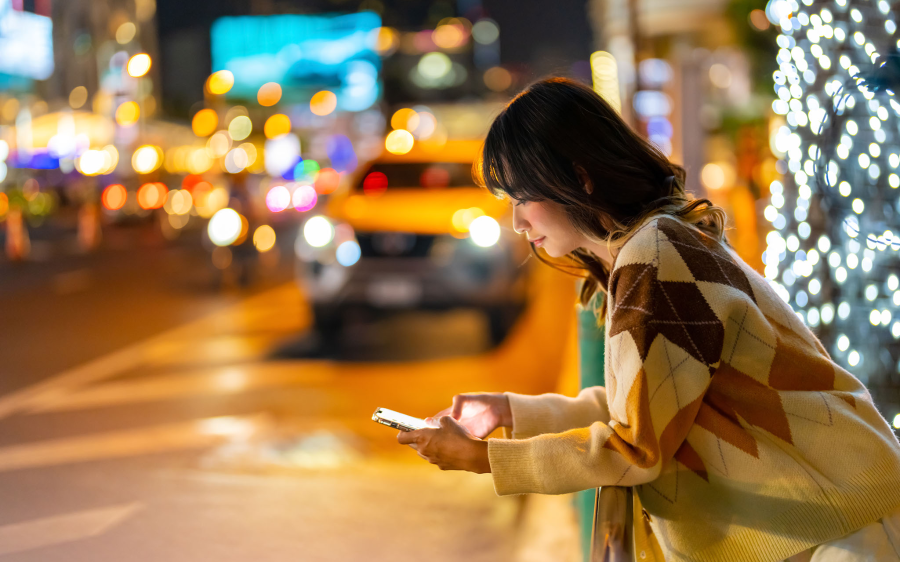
(145, 417)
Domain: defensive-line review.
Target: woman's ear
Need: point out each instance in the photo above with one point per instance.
(585, 179)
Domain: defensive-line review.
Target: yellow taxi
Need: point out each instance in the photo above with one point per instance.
(413, 231)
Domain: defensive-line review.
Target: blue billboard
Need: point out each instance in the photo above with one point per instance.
(304, 54)
(26, 44)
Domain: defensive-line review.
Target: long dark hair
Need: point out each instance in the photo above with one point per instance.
(555, 126)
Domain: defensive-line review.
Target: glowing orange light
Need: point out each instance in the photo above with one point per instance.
(114, 197)
(127, 114)
(245, 228)
(323, 103)
(327, 181)
(220, 82)
(4, 204)
(139, 65)
(405, 118)
(190, 181)
(387, 40)
(759, 20)
(269, 94)
(205, 122)
(277, 125)
(449, 36)
(152, 195)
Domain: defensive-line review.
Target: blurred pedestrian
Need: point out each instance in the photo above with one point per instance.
(741, 438)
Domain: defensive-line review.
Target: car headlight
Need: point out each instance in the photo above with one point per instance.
(485, 231)
(318, 231)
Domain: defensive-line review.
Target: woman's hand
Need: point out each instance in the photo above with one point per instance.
(480, 414)
(450, 447)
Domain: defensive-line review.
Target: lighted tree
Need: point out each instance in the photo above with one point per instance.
(833, 251)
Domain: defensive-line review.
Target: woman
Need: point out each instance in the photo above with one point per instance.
(744, 441)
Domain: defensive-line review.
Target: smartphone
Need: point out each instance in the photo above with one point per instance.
(398, 420)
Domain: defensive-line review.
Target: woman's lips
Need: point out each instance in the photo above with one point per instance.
(538, 241)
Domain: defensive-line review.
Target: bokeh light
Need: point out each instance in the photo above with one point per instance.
(224, 227)
(399, 141)
(269, 94)
(277, 125)
(327, 181)
(152, 195)
(92, 162)
(497, 79)
(114, 197)
(348, 253)
(304, 198)
(434, 65)
(179, 202)
(219, 144)
(250, 150)
(713, 175)
(208, 199)
(387, 41)
(236, 160)
(450, 36)
(405, 118)
(323, 103)
(125, 33)
(485, 31)
(220, 82)
(128, 113)
(278, 199)
(306, 171)
(426, 127)
(205, 122)
(462, 219)
(240, 127)
(146, 159)
(318, 231)
(485, 231)
(264, 238)
(78, 97)
(375, 183)
(139, 65)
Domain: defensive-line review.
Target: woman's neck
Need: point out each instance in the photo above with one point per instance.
(601, 250)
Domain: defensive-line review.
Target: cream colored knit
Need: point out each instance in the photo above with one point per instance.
(743, 439)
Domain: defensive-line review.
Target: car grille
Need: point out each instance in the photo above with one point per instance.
(394, 244)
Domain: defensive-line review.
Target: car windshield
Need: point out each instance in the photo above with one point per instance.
(427, 175)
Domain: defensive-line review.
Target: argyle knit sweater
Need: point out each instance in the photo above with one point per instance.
(743, 439)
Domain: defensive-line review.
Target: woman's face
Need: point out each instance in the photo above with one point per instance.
(546, 221)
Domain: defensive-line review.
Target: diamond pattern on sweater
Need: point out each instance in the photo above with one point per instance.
(707, 259)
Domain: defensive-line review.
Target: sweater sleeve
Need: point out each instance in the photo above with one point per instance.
(555, 413)
(662, 342)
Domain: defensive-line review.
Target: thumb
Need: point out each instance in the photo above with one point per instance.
(449, 422)
(458, 401)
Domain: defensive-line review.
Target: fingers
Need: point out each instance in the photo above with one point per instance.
(456, 410)
(407, 437)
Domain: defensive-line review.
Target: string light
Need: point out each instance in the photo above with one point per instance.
(835, 216)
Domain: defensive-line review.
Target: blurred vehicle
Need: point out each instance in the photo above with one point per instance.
(413, 231)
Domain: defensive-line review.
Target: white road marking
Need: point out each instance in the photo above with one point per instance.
(132, 442)
(251, 315)
(199, 382)
(49, 531)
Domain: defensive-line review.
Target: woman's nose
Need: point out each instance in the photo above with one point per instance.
(519, 224)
